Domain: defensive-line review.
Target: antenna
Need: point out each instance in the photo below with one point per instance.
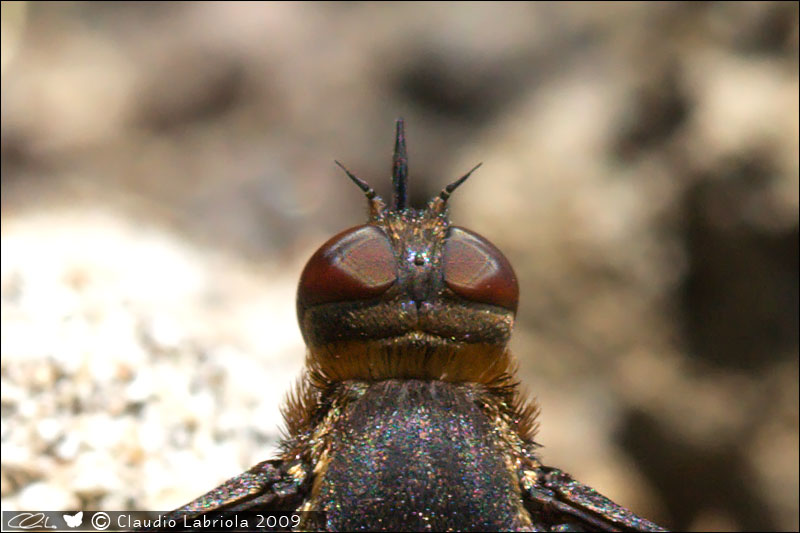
(376, 207)
(439, 203)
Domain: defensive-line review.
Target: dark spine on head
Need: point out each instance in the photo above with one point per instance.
(400, 169)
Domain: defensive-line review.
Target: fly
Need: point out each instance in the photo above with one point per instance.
(408, 415)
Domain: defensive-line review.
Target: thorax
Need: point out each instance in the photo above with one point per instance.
(417, 455)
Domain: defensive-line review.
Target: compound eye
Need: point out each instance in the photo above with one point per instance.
(357, 264)
(475, 269)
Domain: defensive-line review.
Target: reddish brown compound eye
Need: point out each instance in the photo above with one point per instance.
(476, 270)
(357, 264)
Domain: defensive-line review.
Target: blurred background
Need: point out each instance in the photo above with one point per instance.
(167, 169)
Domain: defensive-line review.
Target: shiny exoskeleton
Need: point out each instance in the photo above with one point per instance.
(408, 416)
